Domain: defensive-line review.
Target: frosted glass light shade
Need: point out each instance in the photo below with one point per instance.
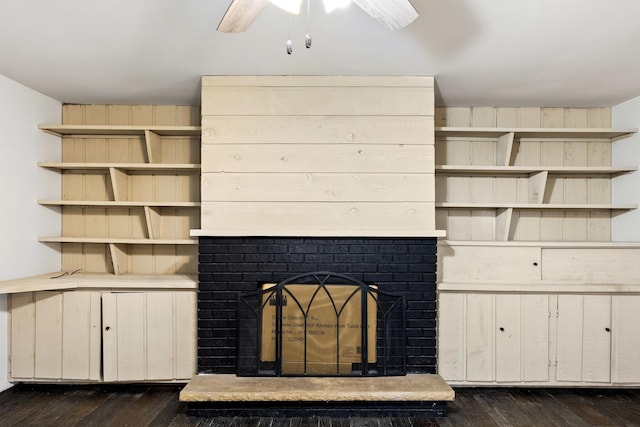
(291, 6)
(331, 5)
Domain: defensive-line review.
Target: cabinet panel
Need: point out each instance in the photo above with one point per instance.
(535, 342)
(626, 339)
(48, 335)
(591, 265)
(161, 335)
(479, 332)
(81, 336)
(471, 263)
(488, 338)
(583, 338)
(508, 338)
(522, 338)
(123, 329)
(451, 336)
(55, 335)
(23, 350)
(148, 336)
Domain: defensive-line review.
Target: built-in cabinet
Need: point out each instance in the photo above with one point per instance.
(531, 290)
(539, 338)
(123, 308)
(102, 335)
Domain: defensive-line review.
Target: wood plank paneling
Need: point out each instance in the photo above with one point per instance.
(326, 130)
(309, 158)
(23, 326)
(315, 187)
(315, 101)
(339, 218)
(317, 155)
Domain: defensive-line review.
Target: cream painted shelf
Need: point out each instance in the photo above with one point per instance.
(117, 130)
(537, 206)
(116, 240)
(140, 183)
(537, 133)
(125, 167)
(527, 170)
(514, 170)
(109, 204)
(60, 280)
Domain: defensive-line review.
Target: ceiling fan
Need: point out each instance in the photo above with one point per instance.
(393, 14)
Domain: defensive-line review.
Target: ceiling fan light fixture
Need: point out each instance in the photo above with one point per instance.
(291, 6)
(331, 5)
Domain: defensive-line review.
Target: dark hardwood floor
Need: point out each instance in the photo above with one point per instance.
(135, 405)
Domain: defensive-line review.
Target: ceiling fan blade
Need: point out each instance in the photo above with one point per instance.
(240, 15)
(393, 14)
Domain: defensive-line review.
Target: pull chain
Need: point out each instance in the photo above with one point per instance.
(289, 43)
(307, 38)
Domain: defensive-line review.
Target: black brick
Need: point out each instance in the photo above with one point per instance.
(231, 266)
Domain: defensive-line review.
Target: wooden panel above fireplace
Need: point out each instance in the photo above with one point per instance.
(318, 156)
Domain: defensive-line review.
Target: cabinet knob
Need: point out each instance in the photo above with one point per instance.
(535, 264)
(107, 328)
(607, 329)
(501, 329)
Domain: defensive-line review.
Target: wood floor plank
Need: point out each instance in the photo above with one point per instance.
(503, 409)
(531, 407)
(473, 413)
(159, 406)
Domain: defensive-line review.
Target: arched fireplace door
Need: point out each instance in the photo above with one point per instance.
(321, 324)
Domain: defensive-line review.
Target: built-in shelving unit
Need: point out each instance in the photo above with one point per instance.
(531, 289)
(130, 195)
(563, 170)
(123, 307)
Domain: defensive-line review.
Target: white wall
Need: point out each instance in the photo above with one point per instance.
(626, 188)
(22, 183)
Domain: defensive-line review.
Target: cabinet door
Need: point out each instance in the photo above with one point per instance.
(55, 335)
(149, 335)
(522, 338)
(584, 338)
(484, 338)
(625, 339)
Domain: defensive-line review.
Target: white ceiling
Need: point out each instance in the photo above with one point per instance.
(481, 52)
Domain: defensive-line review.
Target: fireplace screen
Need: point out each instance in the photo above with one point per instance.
(320, 324)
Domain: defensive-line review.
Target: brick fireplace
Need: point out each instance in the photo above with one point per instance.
(303, 174)
(231, 266)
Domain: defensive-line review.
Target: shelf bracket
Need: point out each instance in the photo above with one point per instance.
(120, 184)
(152, 215)
(153, 143)
(503, 224)
(504, 149)
(537, 186)
(119, 258)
